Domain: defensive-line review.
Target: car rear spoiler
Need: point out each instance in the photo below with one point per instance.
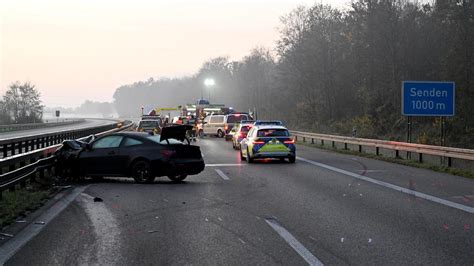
(175, 132)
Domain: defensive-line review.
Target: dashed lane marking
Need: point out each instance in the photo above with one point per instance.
(221, 174)
(293, 242)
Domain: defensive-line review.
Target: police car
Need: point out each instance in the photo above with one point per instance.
(268, 141)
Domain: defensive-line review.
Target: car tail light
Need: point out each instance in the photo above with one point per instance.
(242, 134)
(291, 141)
(167, 153)
(258, 142)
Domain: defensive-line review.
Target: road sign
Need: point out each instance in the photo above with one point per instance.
(427, 98)
(57, 113)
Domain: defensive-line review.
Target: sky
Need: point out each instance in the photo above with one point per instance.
(74, 50)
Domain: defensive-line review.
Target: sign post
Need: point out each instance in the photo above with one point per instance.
(428, 98)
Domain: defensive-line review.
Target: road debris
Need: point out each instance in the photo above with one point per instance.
(40, 222)
(20, 221)
(97, 199)
(152, 231)
(342, 239)
(5, 234)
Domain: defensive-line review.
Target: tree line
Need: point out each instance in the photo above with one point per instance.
(333, 71)
(21, 104)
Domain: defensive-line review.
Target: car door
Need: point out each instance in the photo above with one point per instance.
(245, 141)
(102, 158)
(206, 125)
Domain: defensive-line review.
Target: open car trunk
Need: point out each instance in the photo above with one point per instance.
(177, 132)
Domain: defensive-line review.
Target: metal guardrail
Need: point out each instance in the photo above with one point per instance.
(17, 127)
(19, 145)
(20, 168)
(420, 149)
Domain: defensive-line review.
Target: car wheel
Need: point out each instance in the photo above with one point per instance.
(241, 156)
(141, 172)
(177, 178)
(249, 159)
(292, 159)
(220, 134)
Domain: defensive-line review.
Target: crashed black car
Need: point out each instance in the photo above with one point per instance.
(140, 155)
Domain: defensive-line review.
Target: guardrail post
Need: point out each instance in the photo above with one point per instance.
(333, 144)
(377, 151)
(345, 146)
(322, 142)
(5, 150)
(20, 147)
(360, 148)
(12, 146)
(397, 154)
(304, 139)
(420, 157)
(312, 140)
(296, 137)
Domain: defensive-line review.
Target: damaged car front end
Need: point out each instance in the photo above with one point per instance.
(142, 156)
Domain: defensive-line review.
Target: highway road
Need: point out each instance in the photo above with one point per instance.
(33, 132)
(327, 208)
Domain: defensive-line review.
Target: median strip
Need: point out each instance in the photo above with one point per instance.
(293, 242)
(391, 186)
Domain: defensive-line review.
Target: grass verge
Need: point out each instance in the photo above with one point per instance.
(19, 203)
(436, 168)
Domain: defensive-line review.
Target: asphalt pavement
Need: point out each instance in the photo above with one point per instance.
(327, 208)
(32, 132)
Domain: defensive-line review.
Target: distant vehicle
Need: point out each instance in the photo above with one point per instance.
(213, 125)
(241, 133)
(268, 122)
(202, 102)
(268, 141)
(133, 154)
(149, 126)
(233, 119)
(221, 125)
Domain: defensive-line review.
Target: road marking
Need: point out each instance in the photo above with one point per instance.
(15, 244)
(224, 164)
(293, 242)
(106, 231)
(394, 187)
(221, 174)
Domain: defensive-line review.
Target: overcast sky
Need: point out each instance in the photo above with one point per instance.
(84, 49)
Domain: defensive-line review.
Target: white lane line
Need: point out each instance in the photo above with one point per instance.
(16, 243)
(223, 164)
(394, 187)
(106, 230)
(221, 174)
(293, 242)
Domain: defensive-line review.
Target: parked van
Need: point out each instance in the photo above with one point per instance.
(220, 125)
(213, 125)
